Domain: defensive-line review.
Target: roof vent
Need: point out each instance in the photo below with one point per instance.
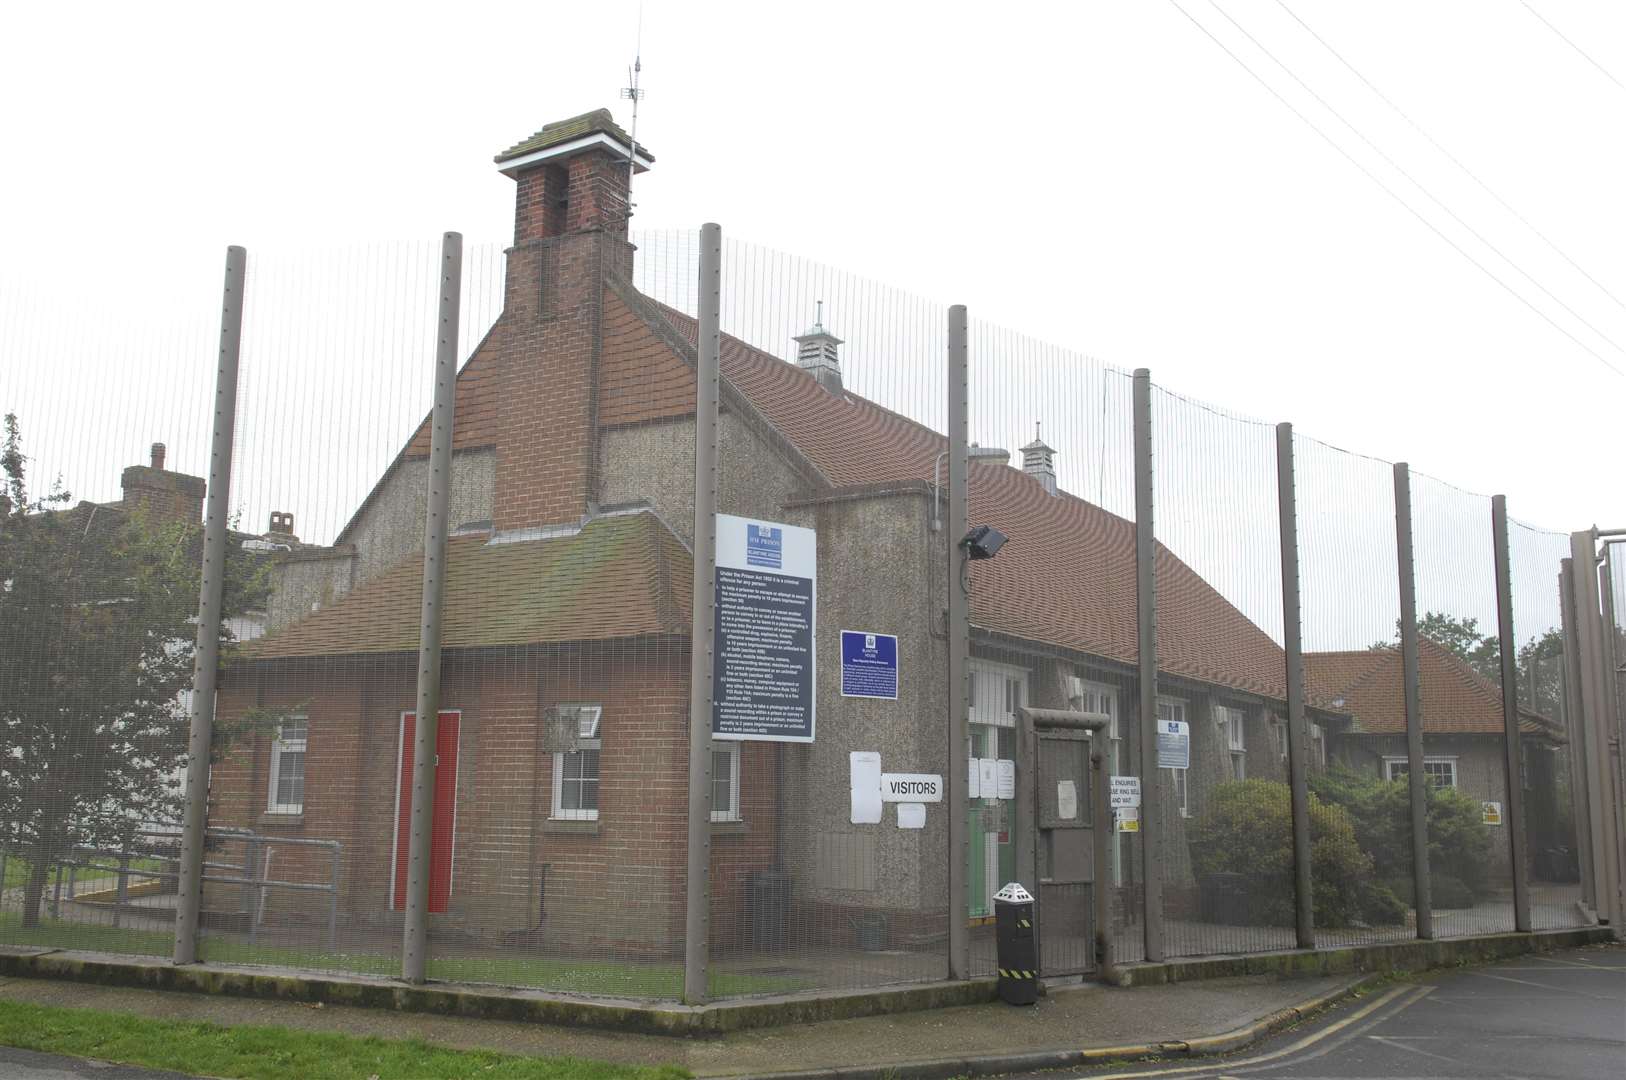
(816, 354)
(1039, 461)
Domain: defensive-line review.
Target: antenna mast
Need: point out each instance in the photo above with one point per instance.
(632, 92)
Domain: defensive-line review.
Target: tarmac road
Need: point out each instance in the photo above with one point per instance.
(1559, 1015)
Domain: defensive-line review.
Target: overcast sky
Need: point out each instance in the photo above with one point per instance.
(1104, 176)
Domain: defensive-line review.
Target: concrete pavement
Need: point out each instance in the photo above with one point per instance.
(964, 1040)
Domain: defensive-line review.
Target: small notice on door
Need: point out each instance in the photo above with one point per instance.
(1007, 778)
(865, 766)
(911, 815)
(1124, 791)
(1066, 800)
(1490, 813)
(1128, 818)
(989, 780)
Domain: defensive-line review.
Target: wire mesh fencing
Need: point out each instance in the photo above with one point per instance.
(1464, 740)
(558, 854)
(1547, 780)
(100, 543)
(1360, 816)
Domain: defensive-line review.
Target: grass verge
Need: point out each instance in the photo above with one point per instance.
(274, 1053)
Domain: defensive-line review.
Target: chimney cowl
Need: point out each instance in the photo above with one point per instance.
(1039, 462)
(818, 353)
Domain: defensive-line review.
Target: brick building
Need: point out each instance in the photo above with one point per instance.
(566, 623)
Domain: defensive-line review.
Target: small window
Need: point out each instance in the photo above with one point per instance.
(1439, 771)
(1278, 727)
(576, 772)
(1168, 709)
(725, 781)
(1231, 721)
(286, 793)
(1181, 792)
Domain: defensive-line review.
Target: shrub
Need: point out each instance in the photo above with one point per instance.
(1446, 891)
(1247, 830)
(1380, 811)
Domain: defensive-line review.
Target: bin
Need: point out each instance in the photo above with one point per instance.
(1017, 945)
(768, 900)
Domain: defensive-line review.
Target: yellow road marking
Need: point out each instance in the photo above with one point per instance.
(1307, 1041)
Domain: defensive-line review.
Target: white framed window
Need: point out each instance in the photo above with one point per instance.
(1231, 722)
(575, 772)
(725, 781)
(285, 793)
(997, 691)
(1173, 709)
(1278, 729)
(1439, 771)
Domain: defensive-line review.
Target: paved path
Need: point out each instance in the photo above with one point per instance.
(27, 1065)
(1560, 1016)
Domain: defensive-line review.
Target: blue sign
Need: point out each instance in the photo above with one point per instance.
(869, 665)
(765, 546)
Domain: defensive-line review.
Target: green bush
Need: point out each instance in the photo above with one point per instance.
(1247, 830)
(1380, 811)
(1446, 891)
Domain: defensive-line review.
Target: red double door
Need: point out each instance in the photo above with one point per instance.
(440, 849)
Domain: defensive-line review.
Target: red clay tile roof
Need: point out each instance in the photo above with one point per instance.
(620, 577)
(1456, 698)
(1067, 575)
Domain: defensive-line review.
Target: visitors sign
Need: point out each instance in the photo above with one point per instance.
(763, 685)
(869, 665)
(911, 787)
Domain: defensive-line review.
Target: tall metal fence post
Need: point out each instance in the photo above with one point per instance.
(1293, 648)
(1575, 729)
(1514, 750)
(1416, 782)
(206, 653)
(1597, 715)
(1151, 810)
(426, 728)
(708, 388)
(959, 649)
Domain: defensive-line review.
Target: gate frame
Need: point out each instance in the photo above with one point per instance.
(1030, 721)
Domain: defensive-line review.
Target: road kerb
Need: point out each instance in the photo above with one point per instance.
(1002, 1064)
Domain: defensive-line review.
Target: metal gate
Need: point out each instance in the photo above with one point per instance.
(1065, 858)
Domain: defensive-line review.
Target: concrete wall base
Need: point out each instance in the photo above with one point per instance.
(530, 1006)
(1393, 956)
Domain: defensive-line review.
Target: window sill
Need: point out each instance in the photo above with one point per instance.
(571, 826)
(730, 827)
(282, 818)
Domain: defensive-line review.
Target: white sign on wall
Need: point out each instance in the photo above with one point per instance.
(911, 787)
(1124, 791)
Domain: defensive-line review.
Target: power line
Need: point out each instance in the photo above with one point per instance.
(1452, 157)
(1606, 72)
(1393, 194)
(1395, 165)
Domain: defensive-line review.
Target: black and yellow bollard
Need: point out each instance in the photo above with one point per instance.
(1017, 946)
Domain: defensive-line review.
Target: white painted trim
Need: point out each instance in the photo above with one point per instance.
(733, 813)
(556, 810)
(597, 138)
(274, 769)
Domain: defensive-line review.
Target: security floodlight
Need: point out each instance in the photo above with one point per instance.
(983, 542)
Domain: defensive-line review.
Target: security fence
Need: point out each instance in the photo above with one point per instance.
(499, 488)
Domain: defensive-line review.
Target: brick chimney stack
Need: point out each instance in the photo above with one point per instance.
(163, 495)
(571, 208)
